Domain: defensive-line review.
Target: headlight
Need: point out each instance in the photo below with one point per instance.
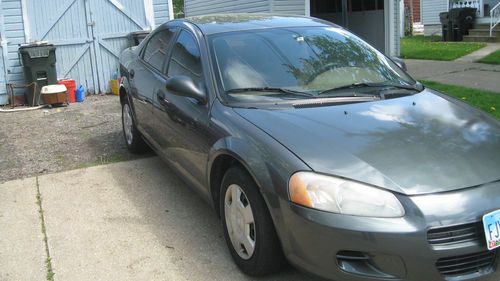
(342, 196)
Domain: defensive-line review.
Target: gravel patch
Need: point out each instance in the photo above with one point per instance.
(62, 138)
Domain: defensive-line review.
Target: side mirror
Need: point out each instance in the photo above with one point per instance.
(400, 63)
(184, 86)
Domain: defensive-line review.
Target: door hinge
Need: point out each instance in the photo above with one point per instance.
(92, 23)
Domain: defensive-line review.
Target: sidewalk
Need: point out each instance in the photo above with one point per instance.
(467, 74)
(481, 53)
(131, 220)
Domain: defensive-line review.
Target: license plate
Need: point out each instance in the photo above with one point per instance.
(491, 223)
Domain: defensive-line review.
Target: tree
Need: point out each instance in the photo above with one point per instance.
(178, 8)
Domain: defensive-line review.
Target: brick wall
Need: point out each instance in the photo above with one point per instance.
(416, 9)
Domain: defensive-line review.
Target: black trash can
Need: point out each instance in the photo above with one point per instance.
(136, 37)
(39, 65)
(462, 19)
(446, 26)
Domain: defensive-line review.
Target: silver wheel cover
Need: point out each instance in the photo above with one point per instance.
(240, 222)
(127, 123)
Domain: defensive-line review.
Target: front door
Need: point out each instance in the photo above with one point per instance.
(182, 122)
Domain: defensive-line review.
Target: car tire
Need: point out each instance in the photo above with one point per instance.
(238, 192)
(133, 138)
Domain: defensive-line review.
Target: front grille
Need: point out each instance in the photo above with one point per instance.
(456, 234)
(466, 264)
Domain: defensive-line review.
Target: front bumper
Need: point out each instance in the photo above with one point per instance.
(419, 246)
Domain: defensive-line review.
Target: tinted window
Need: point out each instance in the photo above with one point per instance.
(186, 58)
(156, 51)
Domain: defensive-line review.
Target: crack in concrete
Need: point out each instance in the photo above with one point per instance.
(48, 260)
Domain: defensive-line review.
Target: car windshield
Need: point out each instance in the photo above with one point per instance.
(311, 60)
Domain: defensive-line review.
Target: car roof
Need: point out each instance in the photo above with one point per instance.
(218, 23)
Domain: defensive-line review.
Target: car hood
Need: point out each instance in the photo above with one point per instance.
(417, 144)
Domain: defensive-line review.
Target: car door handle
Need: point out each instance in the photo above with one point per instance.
(131, 73)
(162, 99)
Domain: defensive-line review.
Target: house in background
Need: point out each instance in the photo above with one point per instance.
(376, 21)
(89, 35)
(416, 12)
(487, 11)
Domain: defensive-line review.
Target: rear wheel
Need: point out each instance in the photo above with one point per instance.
(247, 225)
(133, 137)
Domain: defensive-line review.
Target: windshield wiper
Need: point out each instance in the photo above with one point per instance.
(270, 89)
(415, 87)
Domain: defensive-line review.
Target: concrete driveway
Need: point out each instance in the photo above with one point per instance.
(132, 220)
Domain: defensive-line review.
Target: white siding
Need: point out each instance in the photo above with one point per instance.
(13, 29)
(160, 8)
(14, 34)
(431, 10)
(205, 7)
(293, 7)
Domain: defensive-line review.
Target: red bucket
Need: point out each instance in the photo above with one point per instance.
(71, 86)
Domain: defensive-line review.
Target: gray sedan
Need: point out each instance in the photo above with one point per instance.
(317, 150)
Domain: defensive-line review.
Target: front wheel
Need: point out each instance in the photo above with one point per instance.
(133, 137)
(247, 225)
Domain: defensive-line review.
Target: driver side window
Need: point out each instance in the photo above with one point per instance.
(185, 59)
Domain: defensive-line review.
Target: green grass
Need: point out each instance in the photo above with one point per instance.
(485, 100)
(48, 260)
(493, 58)
(431, 48)
(103, 160)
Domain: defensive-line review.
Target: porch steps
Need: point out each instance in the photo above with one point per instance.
(481, 33)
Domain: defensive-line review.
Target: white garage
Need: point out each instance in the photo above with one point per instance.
(89, 35)
(376, 21)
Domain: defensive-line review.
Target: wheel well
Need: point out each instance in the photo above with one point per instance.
(123, 94)
(219, 167)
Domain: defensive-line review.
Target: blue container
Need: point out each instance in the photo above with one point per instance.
(80, 94)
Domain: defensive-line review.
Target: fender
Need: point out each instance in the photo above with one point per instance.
(272, 180)
(269, 162)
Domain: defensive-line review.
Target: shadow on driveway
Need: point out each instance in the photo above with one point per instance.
(135, 220)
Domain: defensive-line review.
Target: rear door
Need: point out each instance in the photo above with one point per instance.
(181, 122)
(147, 76)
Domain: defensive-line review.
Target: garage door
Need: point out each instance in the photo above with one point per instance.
(89, 34)
(112, 20)
(366, 18)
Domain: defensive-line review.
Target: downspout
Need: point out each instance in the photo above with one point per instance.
(345, 18)
(3, 43)
(171, 9)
